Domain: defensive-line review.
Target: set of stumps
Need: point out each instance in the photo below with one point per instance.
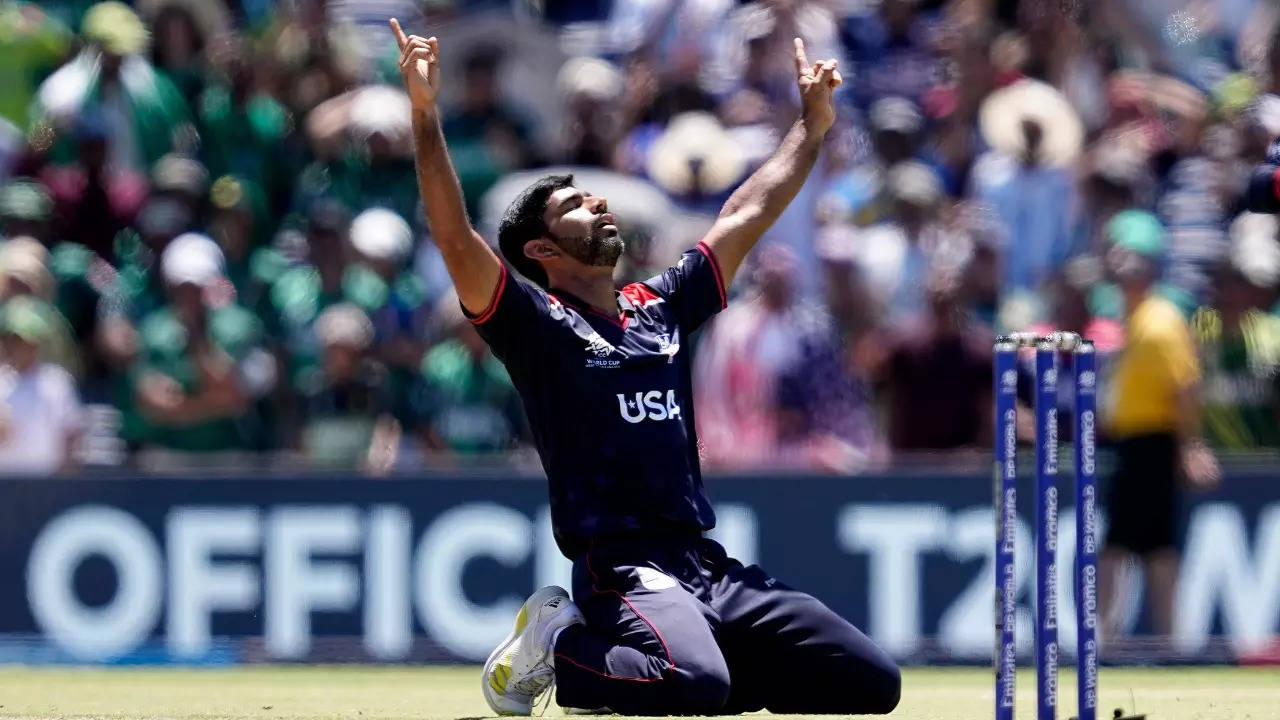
(1050, 350)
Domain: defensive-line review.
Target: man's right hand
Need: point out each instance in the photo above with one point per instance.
(419, 67)
(1200, 468)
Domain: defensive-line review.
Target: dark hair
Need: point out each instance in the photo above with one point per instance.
(523, 222)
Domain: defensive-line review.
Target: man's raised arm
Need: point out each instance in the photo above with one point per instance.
(755, 205)
(474, 267)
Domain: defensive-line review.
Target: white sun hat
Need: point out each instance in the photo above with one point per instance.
(695, 153)
(1002, 115)
(1255, 251)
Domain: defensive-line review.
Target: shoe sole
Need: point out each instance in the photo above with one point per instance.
(498, 703)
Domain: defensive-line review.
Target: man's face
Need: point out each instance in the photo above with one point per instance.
(188, 303)
(581, 226)
(341, 361)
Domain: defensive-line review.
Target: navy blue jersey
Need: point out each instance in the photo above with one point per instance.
(609, 397)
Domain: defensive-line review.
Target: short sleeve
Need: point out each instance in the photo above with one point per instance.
(513, 311)
(694, 287)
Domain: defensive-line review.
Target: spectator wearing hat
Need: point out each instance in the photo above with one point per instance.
(346, 401)
(40, 415)
(464, 403)
(1153, 417)
(1035, 135)
(887, 263)
(200, 365)
(1239, 341)
(141, 108)
(590, 88)
(383, 283)
(24, 273)
(857, 196)
(361, 142)
(182, 178)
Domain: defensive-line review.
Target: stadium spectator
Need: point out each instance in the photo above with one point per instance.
(1154, 422)
(346, 402)
(888, 262)
(40, 415)
(770, 386)
(361, 140)
(856, 197)
(1035, 134)
(235, 220)
(33, 44)
(381, 281)
(488, 134)
(24, 273)
(890, 47)
(303, 289)
(200, 365)
(144, 114)
(936, 374)
(179, 42)
(245, 130)
(290, 109)
(1239, 342)
(465, 403)
(94, 198)
(183, 179)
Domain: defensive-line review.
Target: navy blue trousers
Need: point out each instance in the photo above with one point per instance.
(676, 627)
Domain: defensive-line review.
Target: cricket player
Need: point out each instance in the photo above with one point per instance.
(664, 623)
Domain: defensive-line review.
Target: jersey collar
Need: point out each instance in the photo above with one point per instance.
(626, 309)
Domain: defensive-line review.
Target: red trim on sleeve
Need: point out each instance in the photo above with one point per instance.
(493, 302)
(1275, 184)
(715, 266)
(639, 293)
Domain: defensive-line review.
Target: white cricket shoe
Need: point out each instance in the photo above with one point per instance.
(519, 669)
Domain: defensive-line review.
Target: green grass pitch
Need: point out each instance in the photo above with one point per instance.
(431, 693)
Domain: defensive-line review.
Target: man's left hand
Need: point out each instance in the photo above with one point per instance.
(816, 82)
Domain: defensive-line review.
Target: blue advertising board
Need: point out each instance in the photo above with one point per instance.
(433, 568)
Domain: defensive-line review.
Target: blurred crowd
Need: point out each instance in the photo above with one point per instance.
(213, 248)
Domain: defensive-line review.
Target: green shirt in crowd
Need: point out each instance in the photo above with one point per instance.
(32, 44)
(1241, 380)
(164, 348)
(471, 406)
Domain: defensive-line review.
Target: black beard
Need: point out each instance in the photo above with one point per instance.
(599, 249)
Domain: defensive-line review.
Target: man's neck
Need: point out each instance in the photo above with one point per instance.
(596, 289)
(1134, 296)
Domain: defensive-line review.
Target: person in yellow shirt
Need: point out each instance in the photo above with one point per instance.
(1153, 418)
